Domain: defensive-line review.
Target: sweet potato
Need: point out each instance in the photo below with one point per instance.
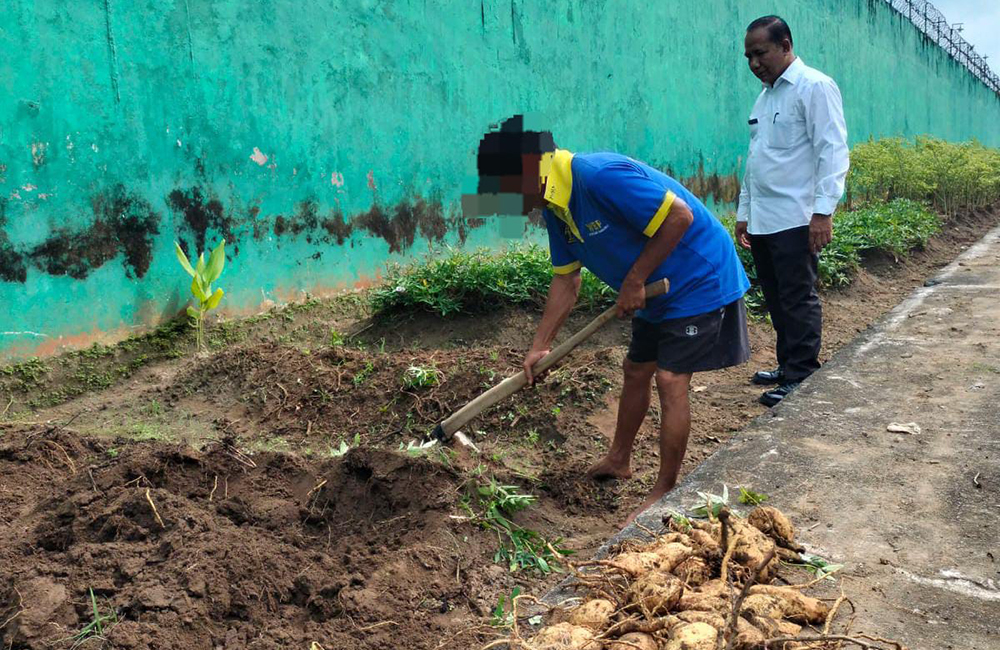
(773, 523)
(693, 571)
(751, 549)
(671, 554)
(715, 587)
(763, 605)
(656, 593)
(704, 543)
(692, 636)
(636, 563)
(772, 627)
(695, 602)
(565, 636)
(593, 614)
(634, 641)
(795, 605)
(715, 620)
(748, 637)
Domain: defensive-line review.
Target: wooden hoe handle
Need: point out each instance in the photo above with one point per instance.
(446, 429)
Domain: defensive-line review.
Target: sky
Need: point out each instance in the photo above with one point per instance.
(981, 20)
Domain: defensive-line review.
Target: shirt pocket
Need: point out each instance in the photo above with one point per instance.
(787, 130)
(754, 123)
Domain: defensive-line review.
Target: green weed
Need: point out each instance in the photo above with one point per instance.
(681, 522)
(101, 623)
(818, 566)
(503, 614)
(362, 376)
(28, 373)
(417, 377)
(336, 452)
(751, 498)
(519, 548)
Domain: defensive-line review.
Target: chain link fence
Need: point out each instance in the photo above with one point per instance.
(929, 20)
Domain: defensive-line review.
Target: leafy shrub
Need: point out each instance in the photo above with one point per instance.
(461, 282)
(896, 228)
(951, 176)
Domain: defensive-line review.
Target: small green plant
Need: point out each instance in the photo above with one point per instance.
(97, 627)
(818, 566)
(414, 448)
(337, 452)
(155, 408)
(503, 613)
(533, 437)
(417, 377)
(751, 498)
(203, 275)
(680, 521)
(112, 452)
(336, 338)
(362, 376)
(712, 504)
(984, 367)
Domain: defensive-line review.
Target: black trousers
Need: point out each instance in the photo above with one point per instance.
(787, 273)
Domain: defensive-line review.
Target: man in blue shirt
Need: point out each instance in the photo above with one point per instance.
(630, 224)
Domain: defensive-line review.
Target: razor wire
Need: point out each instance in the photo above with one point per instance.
(933, 24)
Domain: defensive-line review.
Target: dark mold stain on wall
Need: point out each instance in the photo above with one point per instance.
(12, 267)
(202, 212)
(123, 223)
(400, 229)
(398, 225)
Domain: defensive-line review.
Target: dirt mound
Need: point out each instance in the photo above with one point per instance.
(336, 392)
(207, 549)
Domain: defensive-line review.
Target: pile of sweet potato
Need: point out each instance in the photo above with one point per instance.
(681, 591)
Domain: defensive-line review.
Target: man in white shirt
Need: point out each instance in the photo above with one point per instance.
(794, 179)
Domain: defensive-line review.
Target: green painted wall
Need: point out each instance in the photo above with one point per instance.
(287, 126)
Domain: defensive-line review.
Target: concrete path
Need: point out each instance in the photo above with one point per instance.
(915, 518)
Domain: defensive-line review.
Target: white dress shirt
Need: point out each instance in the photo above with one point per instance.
(798, 156)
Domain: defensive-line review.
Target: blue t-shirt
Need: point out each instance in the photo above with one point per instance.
(615, 205)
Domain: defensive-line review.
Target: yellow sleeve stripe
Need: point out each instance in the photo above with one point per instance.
(566, 269)
(661, 214)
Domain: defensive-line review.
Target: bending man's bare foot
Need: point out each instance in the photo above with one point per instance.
(608, 467)
(653, 497)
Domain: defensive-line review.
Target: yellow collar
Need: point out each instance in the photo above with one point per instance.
(555, 172)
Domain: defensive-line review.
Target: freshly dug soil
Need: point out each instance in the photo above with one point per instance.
(269, 552)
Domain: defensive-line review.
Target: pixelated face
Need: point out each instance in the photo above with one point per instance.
(767, 60)
(508, 162)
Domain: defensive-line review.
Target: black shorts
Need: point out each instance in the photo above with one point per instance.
(717, 339)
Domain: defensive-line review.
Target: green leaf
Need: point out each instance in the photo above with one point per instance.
(192, 312)
(182, 258)
(213, 302)
(197, 291)
(216, 262)
(200, 269)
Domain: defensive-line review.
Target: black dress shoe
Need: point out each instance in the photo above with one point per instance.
(765, 377)
(775, 395)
